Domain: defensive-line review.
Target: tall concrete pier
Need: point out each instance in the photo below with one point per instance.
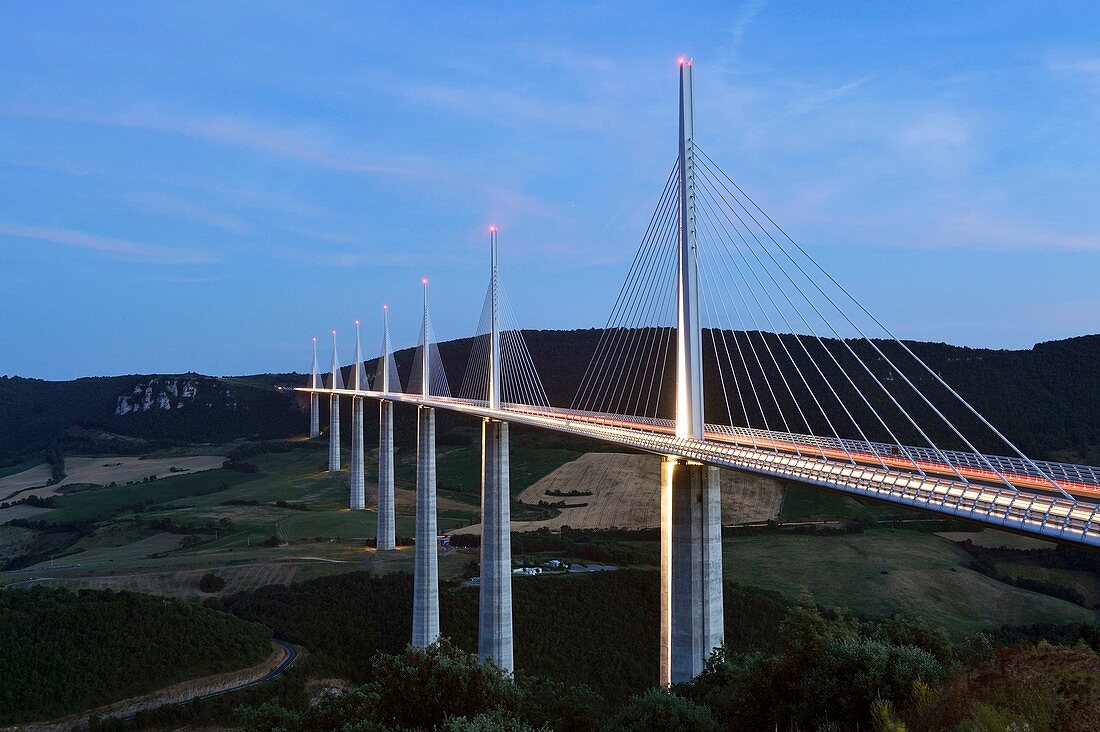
(386, 534)
(358, 500)
(336, 382)
(386, 379)
(426, 558)
(314, 397)
(426, 562)
(494, 637)
(691, 568)
(691, 522)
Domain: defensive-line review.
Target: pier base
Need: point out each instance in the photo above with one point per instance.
(691, 568)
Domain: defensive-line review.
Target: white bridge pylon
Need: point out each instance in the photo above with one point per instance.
(802, 383)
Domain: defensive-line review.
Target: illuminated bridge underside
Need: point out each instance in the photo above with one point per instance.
(825, 463)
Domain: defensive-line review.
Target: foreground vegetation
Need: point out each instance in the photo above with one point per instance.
(62, 653)
(827, 674)
(586, 646)
(586, 655)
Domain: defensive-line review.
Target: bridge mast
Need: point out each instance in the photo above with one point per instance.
(334, 412)
(386, 535)
(426, 359)
(358, 463)
(691, 521)
(494, 332)
(494, 637)
(425, 630)
(689, 351)
(314, 397)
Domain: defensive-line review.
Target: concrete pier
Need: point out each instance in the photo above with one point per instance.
(425, 627)
(691, 568)
(314, 397)
(494, 639)
(334, 433)
(386, 527)
(358, 465)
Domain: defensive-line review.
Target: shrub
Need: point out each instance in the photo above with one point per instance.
(211, 582)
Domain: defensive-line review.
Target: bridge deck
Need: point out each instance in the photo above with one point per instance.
(1027, 507)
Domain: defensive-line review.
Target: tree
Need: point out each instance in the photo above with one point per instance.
(211, 582)
(659, 710)
(419, 688)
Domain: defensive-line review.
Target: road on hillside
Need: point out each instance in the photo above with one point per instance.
(290, 657)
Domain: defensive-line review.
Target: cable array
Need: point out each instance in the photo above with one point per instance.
(519, 379)
(437, 378)
(792, 361)
(395, 380)
(634, 359)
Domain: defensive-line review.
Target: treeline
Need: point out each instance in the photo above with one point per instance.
(1046, 398)
(576, 629)
(1063, 635)
(79, 415)
(587, 657)
(1060, 557)
(825, 673)
(62, 653)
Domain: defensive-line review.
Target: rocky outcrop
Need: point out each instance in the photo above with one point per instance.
(167, 393)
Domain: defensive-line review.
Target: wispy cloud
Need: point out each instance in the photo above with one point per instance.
(345, 259)
(296, 143)
(509, 108)
(308, 144)
(975, 228)
(121, 248)
(737, 32)
(179, 280)
(173, 205)
(1083, 65)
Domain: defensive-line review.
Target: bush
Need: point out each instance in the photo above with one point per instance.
(658, 710)
(211, 582)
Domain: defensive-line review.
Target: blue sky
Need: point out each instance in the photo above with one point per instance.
(204, 186)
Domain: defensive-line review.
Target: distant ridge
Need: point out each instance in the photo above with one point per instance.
(1045, 398)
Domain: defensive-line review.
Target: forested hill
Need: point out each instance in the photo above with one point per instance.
(1046, 398)
(128, 413)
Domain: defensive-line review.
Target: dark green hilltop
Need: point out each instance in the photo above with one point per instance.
(1045, 398)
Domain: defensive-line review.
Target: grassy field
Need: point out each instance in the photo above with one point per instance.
(19, 467)
(884, 572)
(1085, 582)
(802, 502)
(458, 469)
(233, 514)
(345, 524)
(230, 517)
(105, 502)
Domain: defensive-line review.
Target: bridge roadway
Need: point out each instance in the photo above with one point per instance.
(1032, 508)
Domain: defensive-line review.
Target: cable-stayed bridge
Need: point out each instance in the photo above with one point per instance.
(728, 347)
